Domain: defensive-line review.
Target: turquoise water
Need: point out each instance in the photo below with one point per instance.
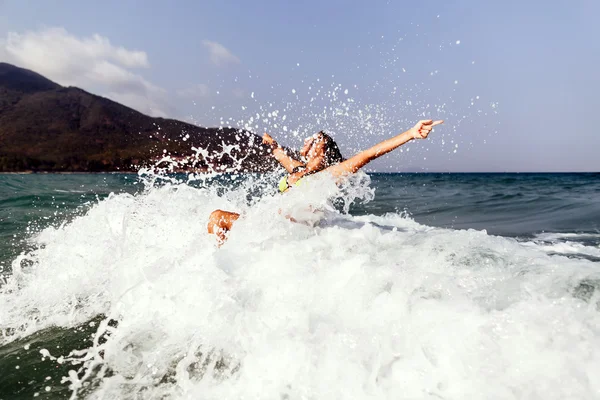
(32, 202)
(503, 204)
(527, 242)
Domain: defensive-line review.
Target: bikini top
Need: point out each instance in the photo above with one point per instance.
(284, 185)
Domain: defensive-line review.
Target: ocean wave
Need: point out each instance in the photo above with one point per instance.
(335, 306)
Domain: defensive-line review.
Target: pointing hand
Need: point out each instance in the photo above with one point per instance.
(423, 127)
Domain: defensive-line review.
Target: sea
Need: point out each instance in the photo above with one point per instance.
(403, 286)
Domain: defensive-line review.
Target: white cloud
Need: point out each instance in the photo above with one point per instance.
(219, 54)
(91, 63)
(195, 91)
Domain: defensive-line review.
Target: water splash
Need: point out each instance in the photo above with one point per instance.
(334, 305)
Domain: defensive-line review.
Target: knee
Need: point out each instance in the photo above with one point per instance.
(216, 221)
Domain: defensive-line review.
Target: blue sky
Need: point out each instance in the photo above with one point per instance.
(515, 81)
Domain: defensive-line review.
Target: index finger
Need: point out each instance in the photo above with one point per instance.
(439, 122)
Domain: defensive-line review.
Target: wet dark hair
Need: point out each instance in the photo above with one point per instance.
(333, 155)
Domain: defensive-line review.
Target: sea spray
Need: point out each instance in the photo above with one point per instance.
(338, 306)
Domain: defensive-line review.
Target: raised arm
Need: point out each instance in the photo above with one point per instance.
(353, 164)
(280, 154)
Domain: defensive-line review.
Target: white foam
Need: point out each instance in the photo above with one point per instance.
(566, 243)
(552, 236)
(567, 248)
(341, 307)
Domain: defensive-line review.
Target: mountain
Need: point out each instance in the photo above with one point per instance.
(47, 127)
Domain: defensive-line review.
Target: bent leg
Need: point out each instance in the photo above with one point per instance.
(220, 222)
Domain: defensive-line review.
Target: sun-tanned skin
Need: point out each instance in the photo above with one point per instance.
(420, 131)
(220, 222)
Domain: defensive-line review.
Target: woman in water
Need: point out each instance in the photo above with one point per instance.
(321, 154)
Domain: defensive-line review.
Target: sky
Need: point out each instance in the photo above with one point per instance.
(515, 81)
